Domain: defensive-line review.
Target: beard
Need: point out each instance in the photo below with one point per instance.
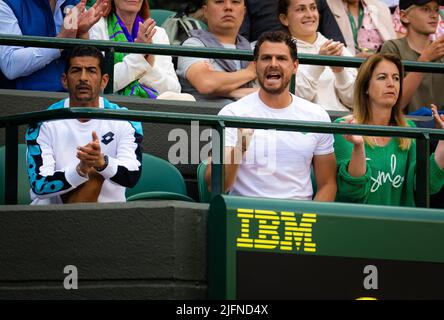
(275, 90)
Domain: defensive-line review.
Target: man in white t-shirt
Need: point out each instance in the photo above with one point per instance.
(218, 80)
(270, 163)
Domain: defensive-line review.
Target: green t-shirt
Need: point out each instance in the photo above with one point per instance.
(431, 88)
(390, 176)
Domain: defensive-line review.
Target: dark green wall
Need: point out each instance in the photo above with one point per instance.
(139, 250)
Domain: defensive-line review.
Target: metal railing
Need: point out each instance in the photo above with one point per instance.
(217, 123)
(109, 47)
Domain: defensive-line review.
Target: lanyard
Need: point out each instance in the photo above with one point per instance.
(355, 28)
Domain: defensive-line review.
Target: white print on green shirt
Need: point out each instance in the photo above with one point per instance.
(383, 177)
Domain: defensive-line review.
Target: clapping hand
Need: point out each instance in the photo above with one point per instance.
(332, 48)
(90, 155)
(355, 139)
(433, 51)
(78, 20)
(145, 35)
(88, 18)
(439, 118)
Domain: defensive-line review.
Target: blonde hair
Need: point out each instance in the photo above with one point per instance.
(406, 11)
(362, 111)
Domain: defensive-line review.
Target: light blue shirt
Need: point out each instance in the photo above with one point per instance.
(18, 62)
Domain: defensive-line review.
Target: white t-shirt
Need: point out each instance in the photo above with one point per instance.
(277, 164)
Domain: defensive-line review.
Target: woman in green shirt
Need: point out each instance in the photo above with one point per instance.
(381, 170)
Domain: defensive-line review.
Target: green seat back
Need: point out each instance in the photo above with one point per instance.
(90, 3)
(23, 196)
(159, 180)
(204, 194)
(160, 15)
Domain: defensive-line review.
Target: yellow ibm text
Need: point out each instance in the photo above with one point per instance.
(276, 230)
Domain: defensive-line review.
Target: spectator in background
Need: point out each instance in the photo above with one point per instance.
(140, 75)
(365, 24)
(218, 80)
(331, 87)
(401, 30)
(41, 68)
(382, 170)
(327, 22)
(420, 17)
(83, 160)
(260, 17)
(277, 164)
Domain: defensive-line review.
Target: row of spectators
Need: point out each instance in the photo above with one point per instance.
(334, 27)
(105, 156)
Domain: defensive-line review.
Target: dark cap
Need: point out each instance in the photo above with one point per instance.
(404, 4)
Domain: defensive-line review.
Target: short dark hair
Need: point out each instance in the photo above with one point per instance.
(282, 7)
(85, 51)
(277, 37)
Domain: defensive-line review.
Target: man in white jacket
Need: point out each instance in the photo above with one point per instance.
(83, 160)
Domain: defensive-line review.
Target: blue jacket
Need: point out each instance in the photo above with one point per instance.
(35, 18)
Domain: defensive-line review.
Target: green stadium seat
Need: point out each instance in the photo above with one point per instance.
(160, 180)
(90, 3)
(204, 194)
(160, 15)
(23, 196)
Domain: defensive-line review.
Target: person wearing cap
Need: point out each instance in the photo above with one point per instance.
(420, 17)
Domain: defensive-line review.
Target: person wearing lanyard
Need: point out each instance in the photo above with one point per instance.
(355, 12)
(365, 24)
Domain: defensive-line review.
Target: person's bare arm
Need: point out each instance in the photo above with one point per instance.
(232, 160)
(230, 167)
(412, 81)
(220, 83)
(357, 165)
(241, 92)
(439, 123)
(325, 172)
